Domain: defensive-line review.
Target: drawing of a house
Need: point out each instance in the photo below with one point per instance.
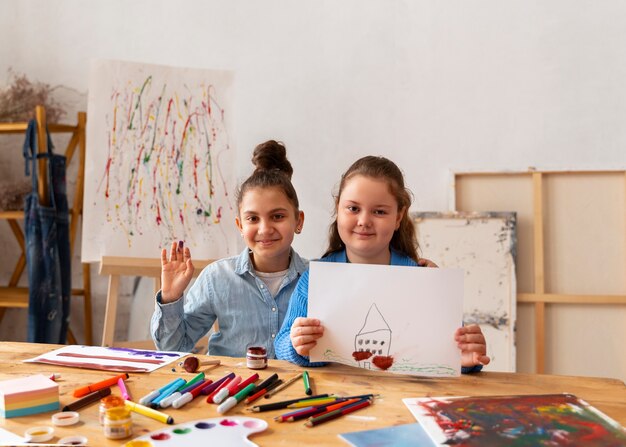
(373, 340)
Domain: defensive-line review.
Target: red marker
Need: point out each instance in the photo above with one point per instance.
(226, 391)
(253, 378)
(225, 383)
(262, 391)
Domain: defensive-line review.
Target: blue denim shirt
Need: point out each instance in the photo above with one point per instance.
(227, 291)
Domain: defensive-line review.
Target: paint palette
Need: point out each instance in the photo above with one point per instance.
(230, 431)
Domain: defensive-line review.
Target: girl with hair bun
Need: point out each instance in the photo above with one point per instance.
(247, 294)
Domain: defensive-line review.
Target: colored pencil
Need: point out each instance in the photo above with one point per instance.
(265, 383)
(312, 422)
(83, 391)
(307, 383)
(262, 391)
(283, 404)
(283, 386)
(312, 402)
(316, 410)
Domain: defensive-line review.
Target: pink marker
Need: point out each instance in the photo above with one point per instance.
(55, 376)
(123, 389)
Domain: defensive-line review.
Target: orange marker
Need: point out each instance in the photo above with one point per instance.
(83, 391)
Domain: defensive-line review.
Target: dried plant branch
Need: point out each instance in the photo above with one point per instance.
(19, 98)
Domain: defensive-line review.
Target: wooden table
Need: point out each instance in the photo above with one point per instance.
(608, 395)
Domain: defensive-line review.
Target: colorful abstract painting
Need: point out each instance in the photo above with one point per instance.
(519, 421)
(159, 162)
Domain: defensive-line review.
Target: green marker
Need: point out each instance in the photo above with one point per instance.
(234, 400)
(307, 383)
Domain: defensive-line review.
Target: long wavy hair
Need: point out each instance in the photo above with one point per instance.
(404, 239)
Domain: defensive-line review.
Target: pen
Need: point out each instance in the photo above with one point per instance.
(283, 386)
(149, 412)
(262, 391)
(123, 389)
(145, 400)
(82, 391)
(307, 384)
(88, 399)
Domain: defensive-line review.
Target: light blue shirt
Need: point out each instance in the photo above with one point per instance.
(230, 292)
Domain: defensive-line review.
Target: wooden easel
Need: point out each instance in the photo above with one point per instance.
(122, 266)
(12, 295)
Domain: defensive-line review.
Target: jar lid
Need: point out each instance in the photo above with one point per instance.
(65, 418)
(112, 401)
(39, 434)
(117, 413)
(257, 350)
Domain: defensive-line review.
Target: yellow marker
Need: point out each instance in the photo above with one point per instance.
(149, 412)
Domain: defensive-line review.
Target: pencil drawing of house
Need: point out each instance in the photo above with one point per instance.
(373, 341)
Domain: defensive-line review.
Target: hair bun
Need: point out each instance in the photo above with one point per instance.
(271, 155)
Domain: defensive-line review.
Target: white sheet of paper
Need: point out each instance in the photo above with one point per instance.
(108, 358)
(401, 315)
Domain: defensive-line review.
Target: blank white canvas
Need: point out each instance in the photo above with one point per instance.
(414, 311)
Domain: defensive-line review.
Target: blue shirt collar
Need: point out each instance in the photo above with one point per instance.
(244, 265)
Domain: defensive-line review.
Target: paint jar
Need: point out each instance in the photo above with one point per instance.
(256, 357)
(108, 403)
(117, 423)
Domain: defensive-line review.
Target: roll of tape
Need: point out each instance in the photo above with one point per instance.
(39, 434)
(65, 418)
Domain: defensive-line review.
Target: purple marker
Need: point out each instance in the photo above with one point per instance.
(213, 386)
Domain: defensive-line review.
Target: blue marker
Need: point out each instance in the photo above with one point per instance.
(145, 400)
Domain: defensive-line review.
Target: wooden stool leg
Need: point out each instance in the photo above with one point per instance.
(111, 311)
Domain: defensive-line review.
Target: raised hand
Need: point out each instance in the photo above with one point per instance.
(176, 273)
(471, 342)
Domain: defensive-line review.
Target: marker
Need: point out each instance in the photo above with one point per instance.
(261, 392)
(169, 400)
(149, 412)
(212, 387)
(283, 404)
(123, 389)
(283, 386)
(225, 383)
(312, 422)
(226, 391)
(165, 394)
(253, 378)
(307, 384)
(82, 391)
(234, 400)
(55, 376)
(88, 399)
(265, 383)
(145, 400)
(190, 395)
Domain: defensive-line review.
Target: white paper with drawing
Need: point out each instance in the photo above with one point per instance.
(393, 318)
(159, 162)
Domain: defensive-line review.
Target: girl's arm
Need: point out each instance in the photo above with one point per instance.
(297, 308)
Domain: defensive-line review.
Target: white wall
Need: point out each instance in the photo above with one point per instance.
(463, 85)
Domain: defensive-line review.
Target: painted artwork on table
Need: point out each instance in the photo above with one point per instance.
(159, 161)
(532, 420)
(127, 360)
(396, 319)
(484, 246)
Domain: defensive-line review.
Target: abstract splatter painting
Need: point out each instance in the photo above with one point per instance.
(159, 162)
(387, 318)
(532, 420)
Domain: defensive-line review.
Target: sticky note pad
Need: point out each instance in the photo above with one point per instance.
(28, 395)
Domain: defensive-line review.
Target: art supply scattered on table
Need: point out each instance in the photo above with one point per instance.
(148, 398)
(256, 357)
(228, 390)
(282, 404)
(220, 431)
(84, 390)
(88, 399)
(191, 364)
(283, 386)
(73, 440)
(305, 412)
(55, 376)
(175, 397)
(190, 395)
(307, 383)
(65, 418)
(122, 386)
(28, 395)
(260, 393)
(207, 390)
(39, 434)
(108, 403)
(149, 412)
(117, 423)
(156, 402)
(234, 400)
(329, 416)
(217, 389)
